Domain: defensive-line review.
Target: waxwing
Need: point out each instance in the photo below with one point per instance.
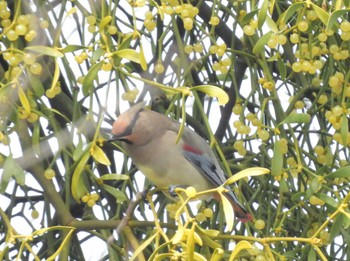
(149, 138)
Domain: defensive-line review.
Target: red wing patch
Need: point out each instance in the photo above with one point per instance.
(191, 149)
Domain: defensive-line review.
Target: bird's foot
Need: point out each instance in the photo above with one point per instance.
(171, 189)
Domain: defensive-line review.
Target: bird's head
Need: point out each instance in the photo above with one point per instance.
(135, 126)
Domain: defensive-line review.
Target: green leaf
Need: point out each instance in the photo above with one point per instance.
(78, 188)
(90, 77)
(290, 11)
(114, 176)
(119, 195)
(263, 13)
(312, 254)
(321, 14)
(277, 160)
(213, 91)
(242, 245)
(96, 55)
(249, 16)
(336, 227)
(340, 173)
(45, 50)
(333, 19)
(327, 199)
(260, 44)
(36, 85)
(296, 118)
(78, 150)
(249, 172)
(281, 68)
(11, 169)
(72, 48)
(344, 128)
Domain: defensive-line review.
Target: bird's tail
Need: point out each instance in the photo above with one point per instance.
(240, 212)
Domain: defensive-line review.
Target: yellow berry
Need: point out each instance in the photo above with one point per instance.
(91, 19)
(159, 68)
(263, 135)
(259, 224)
(237, 109)
(303, 26)
(319, 150)
(200, 217)
(198, 48)
(112, 29)
(208, 212)
(91, 202)
(188, 49)
(248, 30)
(191, 192)
(214, 20)
(49, 173)
(35, 214)
(12, 35)
(36, 68)
(294, 38)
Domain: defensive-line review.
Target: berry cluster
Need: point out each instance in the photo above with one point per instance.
(90, 199)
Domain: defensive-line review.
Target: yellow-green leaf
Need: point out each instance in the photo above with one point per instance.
(178, 236)
(190, 242)
(145, 244)
(143, 61)
(130, 55)
(242, 245)
(198, 257)
(100, 156)
(78, 188)
(56, 75)
(228, 211)
(321, 13)
(255, 171)
(271, 24)
(113, 176)
(45, 50)
(213, 91)
(23, 98)
(217, 255)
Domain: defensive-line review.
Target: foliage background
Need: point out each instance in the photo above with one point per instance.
(68, 67)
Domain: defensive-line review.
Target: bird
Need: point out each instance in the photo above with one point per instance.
(150, 139)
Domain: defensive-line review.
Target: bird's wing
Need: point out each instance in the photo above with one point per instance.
(197, 151)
